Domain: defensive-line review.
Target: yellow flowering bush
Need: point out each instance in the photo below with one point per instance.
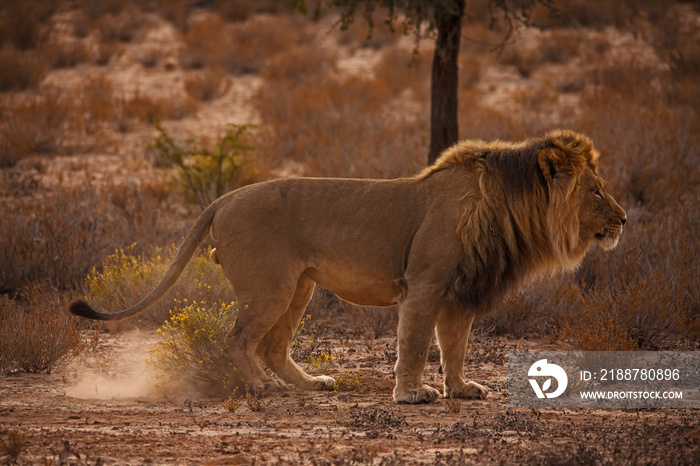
(124, 278)
(319, 364)
(193, 347)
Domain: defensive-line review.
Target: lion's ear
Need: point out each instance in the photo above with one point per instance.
(554, 164)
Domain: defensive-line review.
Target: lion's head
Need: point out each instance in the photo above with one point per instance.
(532, 207)
(580, 211)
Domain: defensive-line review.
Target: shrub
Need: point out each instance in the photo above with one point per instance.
(105, 51)
(339, 126)
(207, 85)
(13, 445)
(175, 11)
(675, 39)
(36, 333)
(347, 381)
(204, 174)
(20, 70)
(24, 24)
(97, 103)
(204, 42)
(319, 363)
(400, 69)
(594, 329)
(124, 278)
(559, 46)
(534, 310)
(122, 27)
(375, 36)
(63, 234)
(65, 54)
(37, 125)
(193, 348)
(373, 322)
(525, 60)
(240, 47)
(149, 58)
(97, 9)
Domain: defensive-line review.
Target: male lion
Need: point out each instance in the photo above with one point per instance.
(445, 245)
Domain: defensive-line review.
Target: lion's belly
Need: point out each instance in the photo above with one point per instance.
(357, 286)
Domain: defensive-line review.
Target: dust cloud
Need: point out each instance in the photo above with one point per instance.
(119, 372)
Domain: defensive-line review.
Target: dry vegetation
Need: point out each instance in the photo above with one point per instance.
(82, 82)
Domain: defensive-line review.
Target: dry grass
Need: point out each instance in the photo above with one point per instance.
(123, 278)
(37, 334)
(65, 54)
(372, 322)
(61, 236)
(380, 35)
(150, 58)
(399, 69)
(36, 125)
(175, 11)
(525, 59)
(102, 106)
(20, 70)
(105, 51)
(358, 128)
(642, 112)
(13, 445)
(123, 26)
(24, 24)
(241, 47)
(207, 85)
(642, 295)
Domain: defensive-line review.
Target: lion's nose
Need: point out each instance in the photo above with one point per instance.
(623, 220)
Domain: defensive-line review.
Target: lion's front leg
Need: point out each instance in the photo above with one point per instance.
(453, 329)
(414, 336)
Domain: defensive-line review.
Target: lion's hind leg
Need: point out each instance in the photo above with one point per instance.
(261, 305)
(453, 329)
(274, 348)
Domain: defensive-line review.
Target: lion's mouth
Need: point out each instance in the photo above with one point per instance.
(608, 239)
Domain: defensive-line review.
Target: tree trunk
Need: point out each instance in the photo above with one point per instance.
(444, 130)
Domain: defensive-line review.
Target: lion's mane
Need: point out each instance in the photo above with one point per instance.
(513, 227)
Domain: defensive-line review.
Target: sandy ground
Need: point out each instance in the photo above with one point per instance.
(108, 409)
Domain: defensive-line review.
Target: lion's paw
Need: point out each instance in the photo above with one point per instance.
(270, 386)
(467, 390)
(424, 394)
(323, 382)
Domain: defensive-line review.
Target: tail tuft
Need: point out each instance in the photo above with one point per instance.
(83, 309)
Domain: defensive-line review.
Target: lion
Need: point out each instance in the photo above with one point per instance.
(445, 245)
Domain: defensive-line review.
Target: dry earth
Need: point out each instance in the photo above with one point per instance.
(108, 409)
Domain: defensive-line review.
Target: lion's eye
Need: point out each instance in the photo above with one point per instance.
(598, 193)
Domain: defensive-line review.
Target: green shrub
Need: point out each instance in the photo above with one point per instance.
(203, 174)
(193, 348)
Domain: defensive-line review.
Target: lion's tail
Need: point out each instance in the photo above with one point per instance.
(194, 237)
